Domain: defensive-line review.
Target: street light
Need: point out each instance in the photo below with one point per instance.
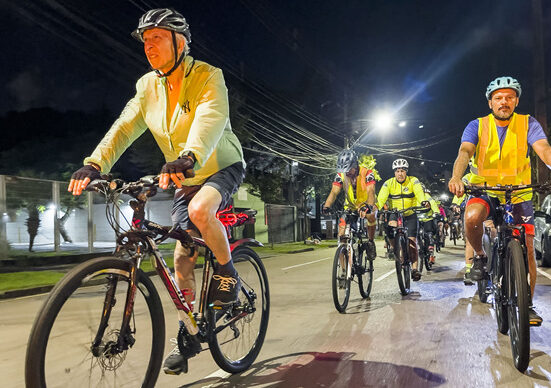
(402, 124)
(444, 197)
(383, 120)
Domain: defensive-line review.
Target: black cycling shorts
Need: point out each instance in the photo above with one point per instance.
(410, 222)
(225, 181)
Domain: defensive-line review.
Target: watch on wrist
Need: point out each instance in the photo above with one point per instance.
(188, 154)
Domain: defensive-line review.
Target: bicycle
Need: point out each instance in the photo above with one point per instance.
(84, 335)
(509, 272)
(425, 252)
(402, 259)
(455, 227)
(352, 260)
(484, 285)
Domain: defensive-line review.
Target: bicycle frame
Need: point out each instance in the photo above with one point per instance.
(142, 238)
(350, 238)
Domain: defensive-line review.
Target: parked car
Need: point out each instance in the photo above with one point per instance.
(542, 238)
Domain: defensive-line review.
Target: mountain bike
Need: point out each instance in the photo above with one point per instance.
(103, 323)
(425, 251)
(509, 265)
(352, 260)
(400, 236)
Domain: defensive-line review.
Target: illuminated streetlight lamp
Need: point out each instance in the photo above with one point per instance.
(402, 124)
(444, 197)
(383, 120)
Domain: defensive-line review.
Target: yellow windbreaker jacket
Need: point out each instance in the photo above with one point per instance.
(200, 122)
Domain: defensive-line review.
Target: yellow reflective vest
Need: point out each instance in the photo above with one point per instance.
(505, 165)
(354, 197)
(401, 195)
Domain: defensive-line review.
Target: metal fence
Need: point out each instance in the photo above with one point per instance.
(42, 215)
(281, 220)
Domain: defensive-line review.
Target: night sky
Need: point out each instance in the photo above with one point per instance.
(427, 61)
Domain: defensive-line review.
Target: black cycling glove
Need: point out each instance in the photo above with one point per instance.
(86, 172)
(184, 165)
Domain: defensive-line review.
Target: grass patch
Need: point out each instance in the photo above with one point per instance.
(22, 280)
(293, 246)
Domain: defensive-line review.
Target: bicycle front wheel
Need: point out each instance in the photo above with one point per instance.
(403, 266)
(365, 274)
(519, 300)
(61, 349)
(341, 281)
(237, 334)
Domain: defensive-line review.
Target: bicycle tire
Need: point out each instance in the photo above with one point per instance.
(499, 287)
(340, 282)
(519, 323)
(227, 341)
(454, 235)
(482, 285)
(50, 326)
(426, 257)
(365, 274)
(403, 272)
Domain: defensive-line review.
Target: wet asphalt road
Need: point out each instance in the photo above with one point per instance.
(439, 335)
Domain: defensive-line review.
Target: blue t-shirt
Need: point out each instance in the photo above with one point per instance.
(535, 132)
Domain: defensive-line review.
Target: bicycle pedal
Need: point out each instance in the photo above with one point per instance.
(535, 323)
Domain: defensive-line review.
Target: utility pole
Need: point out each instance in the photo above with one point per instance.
(542, 172)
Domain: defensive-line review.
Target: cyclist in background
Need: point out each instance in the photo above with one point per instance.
(357, 176)
(427, 220)
(402, 192)
(184, 103)
(499, 147)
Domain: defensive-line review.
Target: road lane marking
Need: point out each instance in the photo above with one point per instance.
(218, 374)
(385, 275)
(300, 265)
(544, 274)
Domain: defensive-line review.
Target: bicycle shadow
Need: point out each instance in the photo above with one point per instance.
(316, 369)
(360, 305)
(502, 367)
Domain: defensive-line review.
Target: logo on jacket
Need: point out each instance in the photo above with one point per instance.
(185, 107)
(406, 189)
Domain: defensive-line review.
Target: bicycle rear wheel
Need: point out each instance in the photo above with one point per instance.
(365, 274)
(341, 281)
(60, 351)
(236, 334)
(453, 235)
(519, 300)
(403, 266)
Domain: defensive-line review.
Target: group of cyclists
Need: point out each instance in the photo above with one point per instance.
(184, 103)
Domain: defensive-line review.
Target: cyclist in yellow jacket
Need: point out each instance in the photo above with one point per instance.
(499, 147)
(357, 176)
(184, 104)
(428, 221)
(402, 192)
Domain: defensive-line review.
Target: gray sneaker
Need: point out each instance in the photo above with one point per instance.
(467, 279)
(175, 363)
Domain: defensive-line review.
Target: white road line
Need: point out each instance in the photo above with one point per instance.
(544, 274)
(385, 275)
(300, 265)
(218, 374)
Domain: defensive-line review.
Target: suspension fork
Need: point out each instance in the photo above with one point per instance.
(108, 304)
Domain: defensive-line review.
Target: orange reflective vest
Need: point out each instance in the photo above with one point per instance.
(505, 165)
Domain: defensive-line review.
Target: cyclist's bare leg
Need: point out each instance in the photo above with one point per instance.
(184, 265)
(412, 252)
(475, 215)
(371, 226)
(202, 212)
(469, 253)
(394, 224)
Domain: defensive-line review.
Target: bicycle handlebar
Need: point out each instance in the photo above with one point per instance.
(473, 189)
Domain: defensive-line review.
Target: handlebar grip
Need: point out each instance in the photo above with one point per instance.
(189, 173)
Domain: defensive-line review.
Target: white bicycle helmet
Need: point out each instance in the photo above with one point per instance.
(503, 83)
(400, 163)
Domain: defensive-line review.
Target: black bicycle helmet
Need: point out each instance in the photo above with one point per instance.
(346, 160)
(167, 19)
